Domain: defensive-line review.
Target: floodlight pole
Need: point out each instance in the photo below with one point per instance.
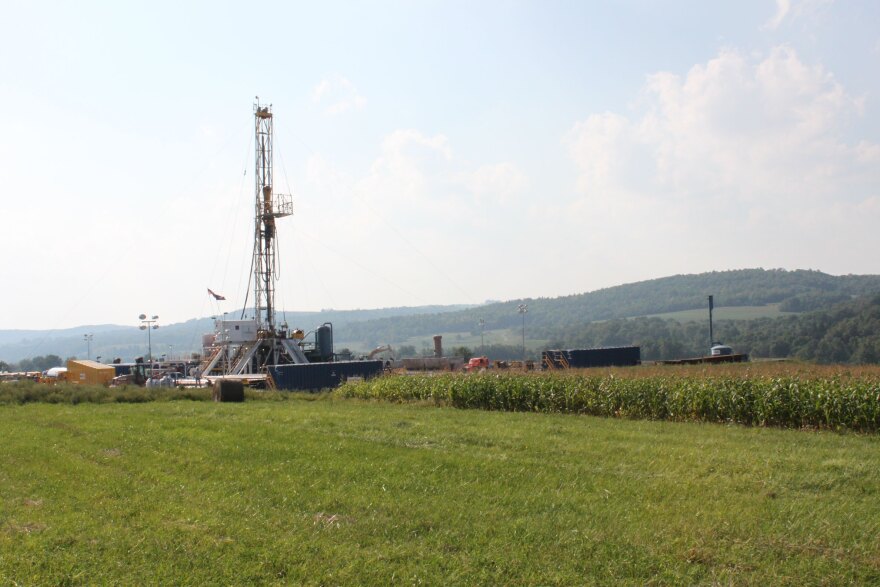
(88, 339)
(149, 325)
(482, 344)
(522, 309)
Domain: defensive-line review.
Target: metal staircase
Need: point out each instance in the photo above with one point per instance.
(556, 360)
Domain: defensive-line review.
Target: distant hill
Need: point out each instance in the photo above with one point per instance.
(566, 321)
(794, 291)
(127, 342)
(848, 332)
(30, 336)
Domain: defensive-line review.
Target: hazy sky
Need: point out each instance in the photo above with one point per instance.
(437, 152)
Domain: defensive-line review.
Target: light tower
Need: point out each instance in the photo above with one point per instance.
(148, 325)
(267, 207)
(88, 338)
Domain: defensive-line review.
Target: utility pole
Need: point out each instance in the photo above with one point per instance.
(711, 335)
(522, 309)
(88, 339)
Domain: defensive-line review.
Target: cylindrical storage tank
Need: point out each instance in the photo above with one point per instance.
(720, 350)
(438, 346)
(324, 342)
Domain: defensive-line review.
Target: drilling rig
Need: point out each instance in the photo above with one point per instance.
(267, 208)
(248, 346)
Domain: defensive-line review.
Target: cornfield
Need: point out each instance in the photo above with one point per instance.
(837, 400)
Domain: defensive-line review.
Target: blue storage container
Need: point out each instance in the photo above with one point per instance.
(585, 358)
(318, 376)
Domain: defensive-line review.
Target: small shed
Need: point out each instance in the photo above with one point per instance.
(89, 372)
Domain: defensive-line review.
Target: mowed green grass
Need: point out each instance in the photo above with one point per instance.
(346, 492)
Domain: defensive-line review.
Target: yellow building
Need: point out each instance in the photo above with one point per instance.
(89, 372)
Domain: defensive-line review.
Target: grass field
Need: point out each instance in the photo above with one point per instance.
(330, 491)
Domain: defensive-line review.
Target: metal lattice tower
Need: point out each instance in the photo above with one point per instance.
(267, 207)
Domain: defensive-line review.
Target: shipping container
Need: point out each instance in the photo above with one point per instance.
(89, 372)
(625, 356)
(318, 376)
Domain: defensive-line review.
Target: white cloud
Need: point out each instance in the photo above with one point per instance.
(338, 95)
(808, 11)
(500, 182)
(411, 217)
(746, 149)
(410, 168)
(782, 8)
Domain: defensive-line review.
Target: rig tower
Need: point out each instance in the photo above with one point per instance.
(247, 347)
(267, 207)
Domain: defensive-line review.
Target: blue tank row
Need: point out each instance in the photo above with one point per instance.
(318, 376)
(625, 356)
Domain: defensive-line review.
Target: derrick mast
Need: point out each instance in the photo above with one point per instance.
(250, 347)
(268, 206)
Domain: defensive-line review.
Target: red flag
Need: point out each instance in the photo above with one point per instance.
(216, 295)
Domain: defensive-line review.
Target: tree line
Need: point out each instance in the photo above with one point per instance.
(847, 333)
(795, 291)
(40, 363)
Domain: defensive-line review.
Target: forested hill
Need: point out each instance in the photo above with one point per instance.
(796, 291)
(849, 332)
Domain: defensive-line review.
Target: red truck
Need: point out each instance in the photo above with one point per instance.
(476, 364)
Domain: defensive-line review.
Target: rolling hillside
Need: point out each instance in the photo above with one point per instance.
(798, 290)
(128, 342)
(848, 332)
(665, 310)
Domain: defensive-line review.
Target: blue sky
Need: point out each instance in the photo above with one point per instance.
(437, 152)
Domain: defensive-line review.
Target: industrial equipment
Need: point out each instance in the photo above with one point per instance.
(380, 349)
(253, 349)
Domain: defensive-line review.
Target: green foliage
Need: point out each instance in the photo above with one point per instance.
(406, 351)
(846, 333)
(812, 301)
(547, 316)
(40, 363)
(789, 401)
(25, 392)
(463, 352)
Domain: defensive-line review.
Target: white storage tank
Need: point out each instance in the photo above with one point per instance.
(720, 350)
